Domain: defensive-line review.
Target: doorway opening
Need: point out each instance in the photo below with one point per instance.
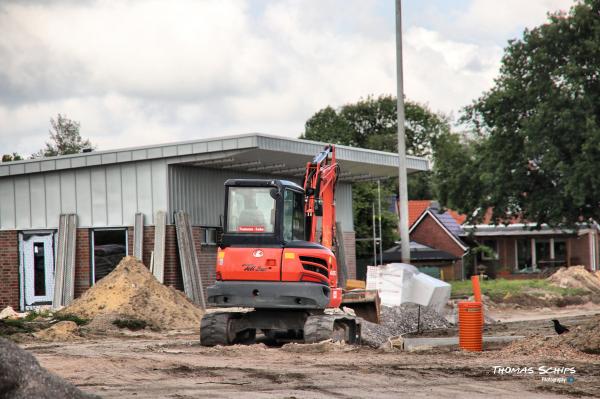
(37, 268)
(109, 246)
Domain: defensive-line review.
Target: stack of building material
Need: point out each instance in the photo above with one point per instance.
(64, 276)
(158, 256)
(190, 268)
(138, 236)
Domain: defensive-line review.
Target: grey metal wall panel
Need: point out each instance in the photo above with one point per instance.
(343, 206)
(37, 194)
(83, 184)
(144, 188)
(129, 190)
(113, 196)
(200, 193)
(160, 201)
(99, 203)
(22, 204)
(105, 195)
(68, 194)
(52, 199)
(7, 204)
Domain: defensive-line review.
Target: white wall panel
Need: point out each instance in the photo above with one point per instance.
(99, 203)
(114, 197)
(68, 193)
(129, 190)
(7, 204)
(53, 200)
(144, 188)
(83, 184)
(37, 195)
(22, 203)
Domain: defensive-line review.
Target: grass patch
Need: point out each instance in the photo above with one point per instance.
(499, 288)
(34, 314)
(131, 324)
(71, 317)
(10, 327)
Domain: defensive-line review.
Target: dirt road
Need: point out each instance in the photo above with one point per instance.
(177, 367)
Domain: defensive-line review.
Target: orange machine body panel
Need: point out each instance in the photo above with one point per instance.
(314, 265)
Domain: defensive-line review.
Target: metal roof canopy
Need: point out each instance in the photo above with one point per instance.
(253, 152)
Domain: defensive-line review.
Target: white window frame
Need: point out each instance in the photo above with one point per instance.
(495, 249)
(93, 244)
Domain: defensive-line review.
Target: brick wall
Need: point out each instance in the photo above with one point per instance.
(82, 261)
(350, 252)
(430, 233)
(580, 251)
(9, 269)
(207, 258)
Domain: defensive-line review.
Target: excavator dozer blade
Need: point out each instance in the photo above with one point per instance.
(365, 303)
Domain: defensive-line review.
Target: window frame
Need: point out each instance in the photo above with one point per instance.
(494, 248)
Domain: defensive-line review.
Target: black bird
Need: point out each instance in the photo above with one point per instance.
(559, 328)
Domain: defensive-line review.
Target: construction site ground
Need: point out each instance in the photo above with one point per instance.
(154, 365)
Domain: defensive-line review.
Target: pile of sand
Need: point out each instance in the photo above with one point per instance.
(580, 342)
(132, 291)
(576, 277)
(61, 331)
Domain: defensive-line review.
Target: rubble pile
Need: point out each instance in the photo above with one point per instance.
(576, 277)
(21, 377)
(401, 320)
(61, 331)
(580, 342)
(131, 291)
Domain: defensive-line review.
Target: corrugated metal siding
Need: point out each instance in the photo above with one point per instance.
(101, 196)
(200, 192)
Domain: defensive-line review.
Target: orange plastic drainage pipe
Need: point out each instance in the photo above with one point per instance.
(476, 288)
(470, 326)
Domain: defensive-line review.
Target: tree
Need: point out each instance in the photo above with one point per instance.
(64, 138)
(539, 129)
(371, 123)
(11, 157)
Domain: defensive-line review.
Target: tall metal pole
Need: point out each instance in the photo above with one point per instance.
(374, 238)
(380, 230)
(402, 175)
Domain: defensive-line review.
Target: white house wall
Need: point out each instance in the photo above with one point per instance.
(101, 195)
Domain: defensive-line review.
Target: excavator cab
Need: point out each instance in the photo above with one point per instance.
(264, 260)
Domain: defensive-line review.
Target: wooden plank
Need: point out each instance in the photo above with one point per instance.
(138, 236)
(190, 269)
(159, 246)
(59, 267)
(340, 256)
(69, 284)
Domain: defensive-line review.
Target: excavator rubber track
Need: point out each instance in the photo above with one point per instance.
(335, 327)
(230, 328)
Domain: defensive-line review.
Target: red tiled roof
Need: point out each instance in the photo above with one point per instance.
(417, 207)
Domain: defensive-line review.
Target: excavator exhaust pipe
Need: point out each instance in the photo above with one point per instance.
(365, 303)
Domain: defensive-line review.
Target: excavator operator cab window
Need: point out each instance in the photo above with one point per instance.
(293, 216)
(251, 210)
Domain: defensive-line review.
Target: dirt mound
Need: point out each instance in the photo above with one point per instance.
(132, 291)
(400, 320)
(580, 342)
(576, 277)
(22, 377)
(61, 331)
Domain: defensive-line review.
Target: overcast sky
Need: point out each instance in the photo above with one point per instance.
(143, 72)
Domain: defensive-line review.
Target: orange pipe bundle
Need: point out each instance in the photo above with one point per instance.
(470, 326)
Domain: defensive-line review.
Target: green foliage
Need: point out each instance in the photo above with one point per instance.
(372, 123)
(131, 324)
(499, 288)
(65, 138)
(11, 157)
(34, 314)
(538, 129)
(71, 317)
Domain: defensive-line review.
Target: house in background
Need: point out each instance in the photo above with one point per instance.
(431, 261)
(522, 251)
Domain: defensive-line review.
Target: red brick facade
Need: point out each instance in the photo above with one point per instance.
(9, 269)
(207, 254)
(429, 232)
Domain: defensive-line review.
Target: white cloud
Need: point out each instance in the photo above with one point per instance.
(147, 72)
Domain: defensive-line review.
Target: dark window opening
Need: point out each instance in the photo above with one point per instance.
(110, 246)
(39, 269)
(293, 216)
(523, 253)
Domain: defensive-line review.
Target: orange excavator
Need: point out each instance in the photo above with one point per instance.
(277, 257)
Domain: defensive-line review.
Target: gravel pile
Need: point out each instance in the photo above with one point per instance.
(21, 377)
(400, 320)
